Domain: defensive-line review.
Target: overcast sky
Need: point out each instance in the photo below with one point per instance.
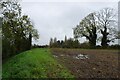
(57, 18)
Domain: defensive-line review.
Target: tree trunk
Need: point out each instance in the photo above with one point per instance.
(92, 37)
(30, 40)
(104, 38)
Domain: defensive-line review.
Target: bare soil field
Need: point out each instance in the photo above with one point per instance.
(89, 63)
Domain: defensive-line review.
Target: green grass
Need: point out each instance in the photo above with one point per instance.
(35, 63)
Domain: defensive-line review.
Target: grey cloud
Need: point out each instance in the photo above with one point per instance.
(57, 19)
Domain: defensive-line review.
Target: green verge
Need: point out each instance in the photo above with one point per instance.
(35, 63)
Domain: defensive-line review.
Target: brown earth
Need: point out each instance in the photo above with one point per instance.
(99, 64)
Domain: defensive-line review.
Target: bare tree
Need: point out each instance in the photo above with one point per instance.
(107, 25)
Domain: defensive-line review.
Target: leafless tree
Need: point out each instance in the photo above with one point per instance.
(107, 22)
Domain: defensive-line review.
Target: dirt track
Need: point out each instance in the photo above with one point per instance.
(99, 64)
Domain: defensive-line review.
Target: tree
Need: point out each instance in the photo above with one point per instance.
(27, 30)
(51, 42)
(62, 44)
(65, 42)
(55, 40)
(76, 44)
(107, 24)
(87, 28)
(58, 44)
(118, 35)
(17, 29)
(65, 38)
(10, 14)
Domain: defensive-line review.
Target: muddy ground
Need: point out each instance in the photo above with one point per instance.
(97, 64)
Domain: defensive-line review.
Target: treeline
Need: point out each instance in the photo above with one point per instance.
(67, 43)
(17, 29)
(74, 43)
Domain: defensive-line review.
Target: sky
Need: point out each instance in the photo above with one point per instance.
(56, 18)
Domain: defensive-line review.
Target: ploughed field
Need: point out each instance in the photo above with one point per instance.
(89, 63)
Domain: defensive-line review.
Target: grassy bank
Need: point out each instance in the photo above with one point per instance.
(35, 63)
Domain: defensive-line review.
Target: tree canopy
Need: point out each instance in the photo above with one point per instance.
(17, 29)
(87, 28)
(107, 22)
